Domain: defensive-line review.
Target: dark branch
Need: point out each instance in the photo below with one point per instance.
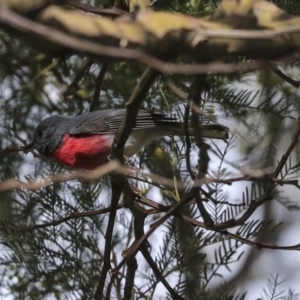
(118, 181)
(99, 81)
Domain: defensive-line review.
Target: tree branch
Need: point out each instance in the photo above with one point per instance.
(118, 181)
(99, 81)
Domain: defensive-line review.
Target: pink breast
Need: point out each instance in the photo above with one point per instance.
(87, 152)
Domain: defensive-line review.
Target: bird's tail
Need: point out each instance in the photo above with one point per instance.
(212, 131)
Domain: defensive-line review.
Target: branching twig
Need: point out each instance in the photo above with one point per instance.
(185, 97)
(195, 95)
(118, 181)
(268, 194)
(137, 244)
(73, 86)
(160, 208)
(238, 238)
(158, 274)
(194, 222)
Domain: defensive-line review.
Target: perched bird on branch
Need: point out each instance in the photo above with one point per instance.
(85, 141)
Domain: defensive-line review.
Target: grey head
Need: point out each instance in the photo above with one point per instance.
(48, 135)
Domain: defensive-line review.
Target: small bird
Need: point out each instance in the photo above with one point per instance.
(84, 141)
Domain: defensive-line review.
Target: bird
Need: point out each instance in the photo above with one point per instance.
(84, 141)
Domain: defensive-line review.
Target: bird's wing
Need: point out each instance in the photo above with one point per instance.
(108, 121)
(89, 127)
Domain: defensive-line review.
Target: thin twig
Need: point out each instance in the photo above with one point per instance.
(73, 215)
(99, 81)
(62, 177)
(116, 167)
(73, 86)
(238, 238)
(11, 149)
(185, 97)
(14, 129)
(291, 81)
(112, 12)
(288, 151)
(208, 196)
(188, 143)
(139, 214)
(159, 275)
(117, 182)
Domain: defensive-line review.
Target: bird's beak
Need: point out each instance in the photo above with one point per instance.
(28, 148)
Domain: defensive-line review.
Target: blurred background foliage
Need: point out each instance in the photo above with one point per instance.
(64, 261)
